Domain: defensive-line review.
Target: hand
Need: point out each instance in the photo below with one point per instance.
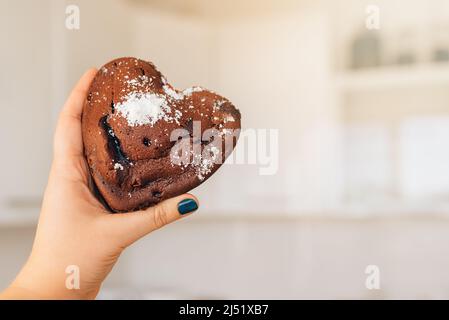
(74, 229)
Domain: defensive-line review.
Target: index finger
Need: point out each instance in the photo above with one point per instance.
(68, 140)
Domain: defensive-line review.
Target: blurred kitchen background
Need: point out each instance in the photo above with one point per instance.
(363, 119)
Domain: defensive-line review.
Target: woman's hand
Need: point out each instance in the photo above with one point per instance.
(75, 232)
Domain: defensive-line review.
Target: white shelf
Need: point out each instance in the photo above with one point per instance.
(341, 214)
(394, 77)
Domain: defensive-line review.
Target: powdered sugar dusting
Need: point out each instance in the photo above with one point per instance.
(177, 95)
(145, 108)
(118, 166)
(202, 161)
(172, 93)
(139, 82)
(206, 163)
(218, 104)
(189, 91)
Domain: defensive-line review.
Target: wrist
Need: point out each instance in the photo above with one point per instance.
(45, 281)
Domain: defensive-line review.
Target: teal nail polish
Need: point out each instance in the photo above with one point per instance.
(187, 205)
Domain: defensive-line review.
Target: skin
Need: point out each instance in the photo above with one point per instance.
(74, 228)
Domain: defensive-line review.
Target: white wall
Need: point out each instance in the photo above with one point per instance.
(25, 107)
(181, 47)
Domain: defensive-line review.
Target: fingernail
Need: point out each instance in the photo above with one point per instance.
(187, 205)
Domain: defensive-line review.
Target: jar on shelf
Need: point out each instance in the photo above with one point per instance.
(405, 47)
(366, 50)
(440, 43)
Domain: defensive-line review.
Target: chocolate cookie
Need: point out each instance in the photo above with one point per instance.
(145, 141)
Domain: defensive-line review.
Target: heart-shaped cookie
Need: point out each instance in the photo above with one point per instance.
(145, 141)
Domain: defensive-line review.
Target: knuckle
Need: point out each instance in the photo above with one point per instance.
(160, 216)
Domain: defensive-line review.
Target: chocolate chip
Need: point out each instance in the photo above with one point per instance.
(146, 142)
(188, 125)
(156, 193)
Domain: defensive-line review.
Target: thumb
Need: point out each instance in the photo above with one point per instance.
(132, 226)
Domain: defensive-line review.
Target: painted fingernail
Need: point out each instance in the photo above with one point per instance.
(187, 206)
